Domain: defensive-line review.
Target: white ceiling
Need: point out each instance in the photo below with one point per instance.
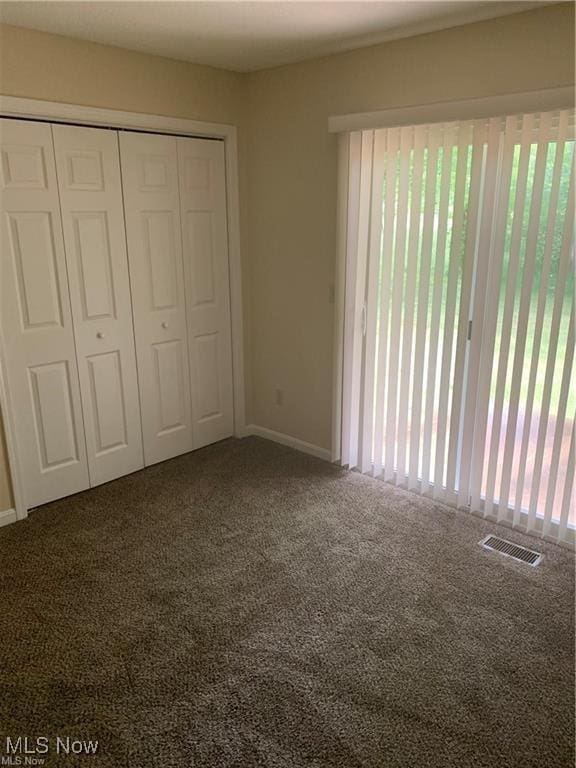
(243, 35)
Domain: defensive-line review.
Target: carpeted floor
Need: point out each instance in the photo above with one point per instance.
(247, 605)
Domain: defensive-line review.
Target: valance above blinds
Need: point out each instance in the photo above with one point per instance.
(537, 102)
(459, 325)
(506, 124)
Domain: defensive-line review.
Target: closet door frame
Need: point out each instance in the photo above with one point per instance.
(55, 112)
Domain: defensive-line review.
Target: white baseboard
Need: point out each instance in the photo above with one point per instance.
(291, 442)
(8, 516)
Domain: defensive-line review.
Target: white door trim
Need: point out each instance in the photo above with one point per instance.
(36, 109)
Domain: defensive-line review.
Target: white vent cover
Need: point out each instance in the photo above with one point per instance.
(512, 550)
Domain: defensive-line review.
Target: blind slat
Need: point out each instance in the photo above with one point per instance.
(352, 340)
(523, 313)
(396, 308)
(409, 302)
(369, 311)
(361, 256)
(435, 315)
(423, 290)
(455, 264)
(392, 147)
(486, 205)
(371, 339)
(453, 481)
(493, 247)
(508, 311)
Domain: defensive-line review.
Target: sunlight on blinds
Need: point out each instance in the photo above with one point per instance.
(459, 336)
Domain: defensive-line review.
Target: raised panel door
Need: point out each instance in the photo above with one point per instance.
(152, 206)
(88, 166)
(207, 282)
(36, 320)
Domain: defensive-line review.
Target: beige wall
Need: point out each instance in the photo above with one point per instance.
(42, 66)
(288, 161)
(290, 227)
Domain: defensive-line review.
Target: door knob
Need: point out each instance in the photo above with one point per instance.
(99, 335)
(164, 325)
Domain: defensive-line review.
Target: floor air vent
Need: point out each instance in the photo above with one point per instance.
(512, 550)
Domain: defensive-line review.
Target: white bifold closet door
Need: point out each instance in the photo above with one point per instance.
(174, 199)
(37, 325)
(205, 252)
(152, 206)
(88, 168)
(115, 301)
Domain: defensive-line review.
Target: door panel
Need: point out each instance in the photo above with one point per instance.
(171, 372)
(206, 357)
(151, 202)
(108, 402)
(161, 259)
(199, 226)
(36, 318)
(204, 236)
(88, 167)
(33, 250)
(53, 414)
(91, 246)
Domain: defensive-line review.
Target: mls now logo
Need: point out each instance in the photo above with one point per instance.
(23, 750)
(67, 746)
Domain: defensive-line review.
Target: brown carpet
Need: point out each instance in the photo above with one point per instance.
(247, 605)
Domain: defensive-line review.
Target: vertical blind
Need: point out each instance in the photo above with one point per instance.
(458, 376)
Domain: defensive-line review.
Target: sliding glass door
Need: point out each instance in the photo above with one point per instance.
(459, 339)
(528, 399)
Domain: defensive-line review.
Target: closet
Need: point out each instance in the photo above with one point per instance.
(115, 302)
